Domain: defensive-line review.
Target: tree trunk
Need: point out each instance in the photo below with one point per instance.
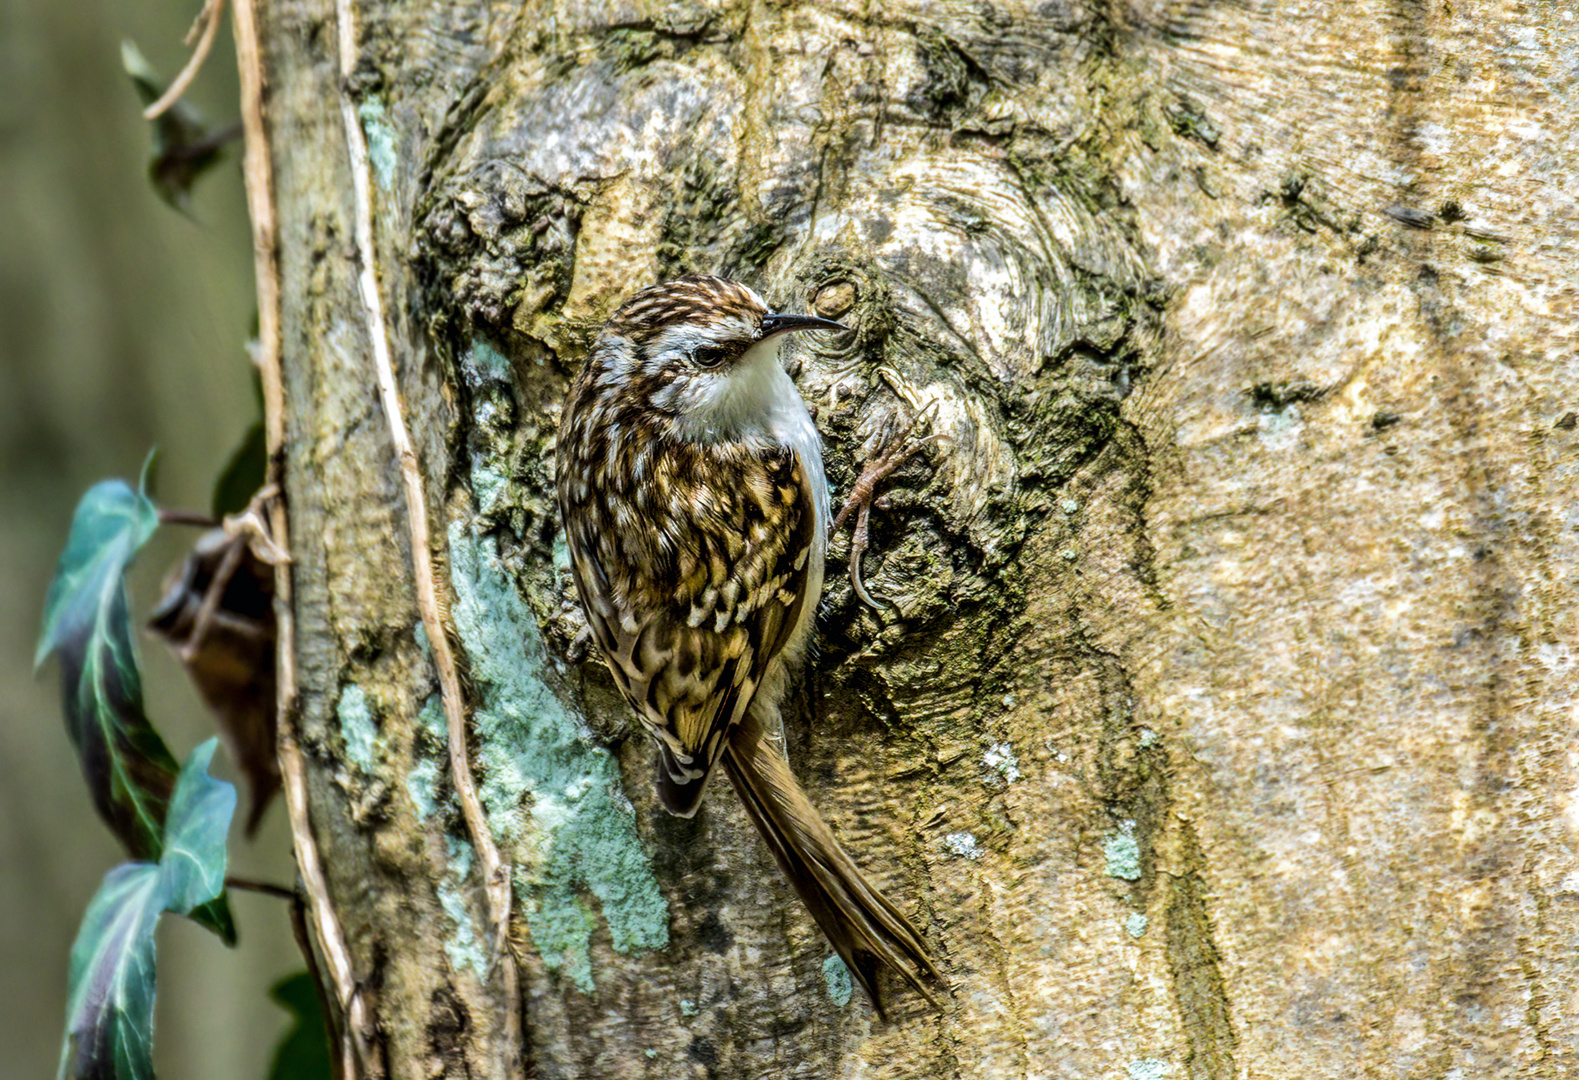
(1220, 722)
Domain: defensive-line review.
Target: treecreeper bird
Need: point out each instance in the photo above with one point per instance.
(692, 493)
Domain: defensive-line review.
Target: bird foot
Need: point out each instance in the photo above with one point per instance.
(898, 448)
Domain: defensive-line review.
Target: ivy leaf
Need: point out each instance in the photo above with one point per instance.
(243, 474)
(110, 995)
(195, 853)
(129, 771)
(304, 1052)
(110, 1003)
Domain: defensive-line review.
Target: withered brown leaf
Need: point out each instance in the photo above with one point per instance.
(228, 651)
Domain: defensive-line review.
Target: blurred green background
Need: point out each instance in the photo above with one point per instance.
(122, 327)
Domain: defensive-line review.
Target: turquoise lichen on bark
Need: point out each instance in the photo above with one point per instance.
(552, 795)
(465, 945)
(488, 361)
(355, 714)
(1122, 852)
(486, 372)
(489, 486)
(837, 975)
(422, 780)
(380, 141)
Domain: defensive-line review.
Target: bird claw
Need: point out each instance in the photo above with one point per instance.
(898, 450)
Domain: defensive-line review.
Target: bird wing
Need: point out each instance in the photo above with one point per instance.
(691, 606)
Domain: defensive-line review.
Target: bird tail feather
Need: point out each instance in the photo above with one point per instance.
(861, 924)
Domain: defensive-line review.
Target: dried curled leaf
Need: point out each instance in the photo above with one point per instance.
(228, 651)
(110, 995)
(184, 146)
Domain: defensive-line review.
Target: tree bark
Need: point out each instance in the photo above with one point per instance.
(1220, 724)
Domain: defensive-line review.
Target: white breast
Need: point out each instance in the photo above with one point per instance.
(755, 403)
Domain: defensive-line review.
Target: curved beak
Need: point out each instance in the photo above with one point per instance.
(783, 324)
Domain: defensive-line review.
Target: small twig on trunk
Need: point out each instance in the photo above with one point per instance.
(187, 517)
(264, 887)
(494, 871)
(229, 563)
(352, 1023)
(246, 531)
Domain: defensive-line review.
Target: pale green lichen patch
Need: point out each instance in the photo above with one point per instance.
(511, 479)
(1135, 925)
(963, 844)
(488, 361)
(422, 780)
(465, 946)
(561, 553)
(380, 141)
(488, 484)
(1122, 852)
(1149, 1069)
(837, 975)
(433, 722)
(1000, 758)
(552, 795)
(562, 931)
(355, 714)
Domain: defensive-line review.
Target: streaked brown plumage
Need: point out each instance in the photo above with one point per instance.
(692, 492)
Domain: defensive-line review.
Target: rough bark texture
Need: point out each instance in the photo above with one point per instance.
(1222, 724)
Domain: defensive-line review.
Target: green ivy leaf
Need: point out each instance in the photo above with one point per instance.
(194, 845)
(129, 771)
(193, 863)
(110, 1003)
(243, 474)
(110, 994)
(304, 1052)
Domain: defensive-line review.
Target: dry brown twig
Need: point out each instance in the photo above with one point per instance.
(354, 1024)
(495, 872)
(204, 28)
(248, 530)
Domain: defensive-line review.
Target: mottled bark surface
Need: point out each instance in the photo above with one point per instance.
(1221, 723)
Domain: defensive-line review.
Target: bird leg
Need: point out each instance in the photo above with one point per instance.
(896, 451)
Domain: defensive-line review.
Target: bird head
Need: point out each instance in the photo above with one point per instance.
(701, 352)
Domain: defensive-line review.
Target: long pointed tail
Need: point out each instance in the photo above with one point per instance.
(859, 922)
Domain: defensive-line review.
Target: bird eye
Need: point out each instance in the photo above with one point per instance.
(710, 356)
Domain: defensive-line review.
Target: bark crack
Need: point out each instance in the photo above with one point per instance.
(1198, 986)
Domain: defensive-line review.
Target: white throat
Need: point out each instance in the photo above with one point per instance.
(756, 404)
(753, 402)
